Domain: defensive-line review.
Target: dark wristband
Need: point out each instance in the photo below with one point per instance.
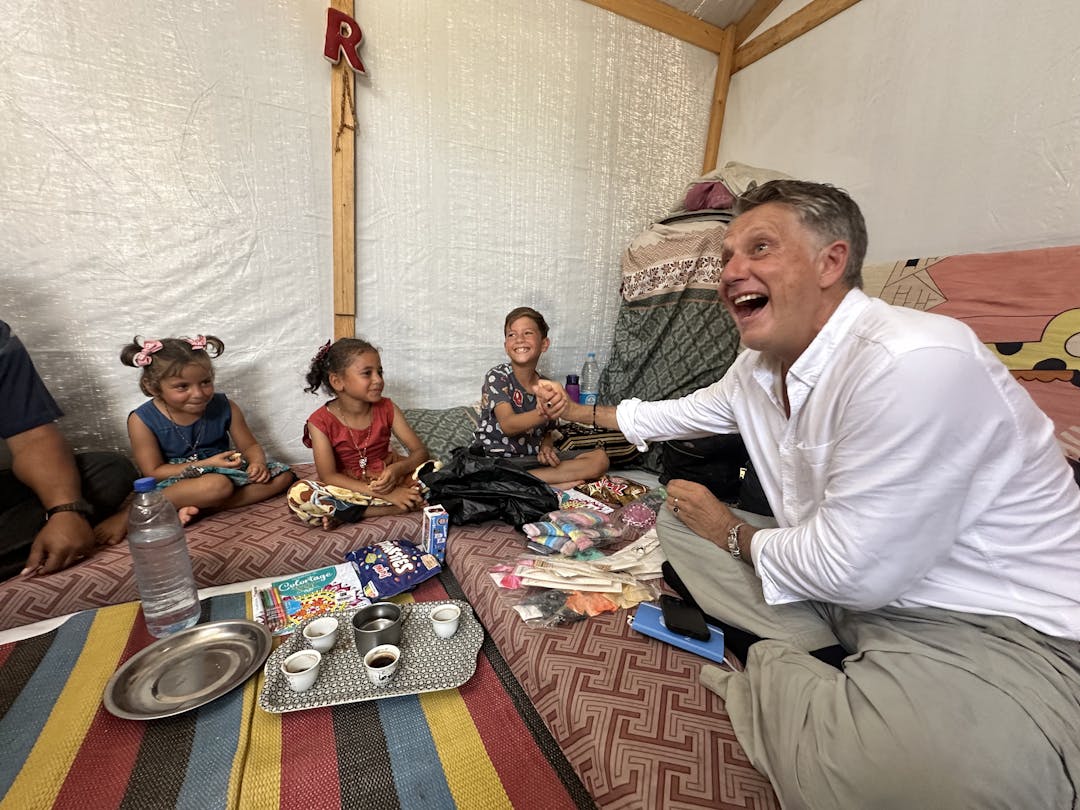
(79, 506)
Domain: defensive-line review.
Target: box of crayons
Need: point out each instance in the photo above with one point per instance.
(287, 603)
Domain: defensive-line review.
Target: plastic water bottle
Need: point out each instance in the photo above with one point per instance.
(590, 380)
(159, 557)
(573, 390)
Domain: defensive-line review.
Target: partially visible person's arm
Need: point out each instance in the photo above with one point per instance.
(400, 470)
(42, 459)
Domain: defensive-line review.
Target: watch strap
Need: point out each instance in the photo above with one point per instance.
(82, 507)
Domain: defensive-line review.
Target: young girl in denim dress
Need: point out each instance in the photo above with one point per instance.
(193, 440)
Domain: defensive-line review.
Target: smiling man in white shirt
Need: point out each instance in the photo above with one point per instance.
(925, 520)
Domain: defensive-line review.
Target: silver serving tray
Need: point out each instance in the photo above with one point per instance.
(428, 663)
(187, 669)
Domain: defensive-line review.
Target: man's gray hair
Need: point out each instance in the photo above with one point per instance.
(826, 210)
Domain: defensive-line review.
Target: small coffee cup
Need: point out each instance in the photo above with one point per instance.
(377, 624)
(322, 633)
(301, 669)
(444, 619)
(381, 663)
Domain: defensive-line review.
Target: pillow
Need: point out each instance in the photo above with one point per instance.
(441, 430)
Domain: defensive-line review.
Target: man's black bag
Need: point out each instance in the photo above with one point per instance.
(473, 488)
(720, 463)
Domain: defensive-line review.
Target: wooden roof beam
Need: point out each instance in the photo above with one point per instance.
(805, 19)
(753, 18)
(669, 20)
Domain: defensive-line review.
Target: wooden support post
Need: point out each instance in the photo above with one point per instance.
(724, 61)
(343, 157)
(805, 19)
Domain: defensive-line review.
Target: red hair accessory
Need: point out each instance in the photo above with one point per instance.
(321, 353)
(143, 357)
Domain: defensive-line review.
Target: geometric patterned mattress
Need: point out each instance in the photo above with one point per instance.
(627, 710)
(233, 546)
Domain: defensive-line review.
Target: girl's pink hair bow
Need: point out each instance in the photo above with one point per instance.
(197, 342)
(143, 357)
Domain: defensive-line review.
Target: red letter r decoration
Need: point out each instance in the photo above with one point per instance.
(343, 35)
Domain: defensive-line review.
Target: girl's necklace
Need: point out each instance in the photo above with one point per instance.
(360, 451)
(192, 444)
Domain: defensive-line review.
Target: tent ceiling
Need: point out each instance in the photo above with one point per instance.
(721, 13)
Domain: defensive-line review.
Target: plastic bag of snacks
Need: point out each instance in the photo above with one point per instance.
(392, 567)
(572, 530)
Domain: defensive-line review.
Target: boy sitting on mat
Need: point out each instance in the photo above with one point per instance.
(514, 425)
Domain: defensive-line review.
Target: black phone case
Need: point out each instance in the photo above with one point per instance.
(679, 617)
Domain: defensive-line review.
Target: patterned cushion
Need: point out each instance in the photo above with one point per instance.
(443, 430)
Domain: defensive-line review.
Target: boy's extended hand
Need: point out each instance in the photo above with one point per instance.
(551, 398)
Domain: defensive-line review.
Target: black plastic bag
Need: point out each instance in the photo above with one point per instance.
(474, 488)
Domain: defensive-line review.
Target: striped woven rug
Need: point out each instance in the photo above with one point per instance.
(479, 746)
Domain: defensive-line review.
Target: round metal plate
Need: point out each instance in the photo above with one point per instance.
(187, 669)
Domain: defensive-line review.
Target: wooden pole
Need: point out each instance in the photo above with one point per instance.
(343, 173)
(805, 19)
(724, 60)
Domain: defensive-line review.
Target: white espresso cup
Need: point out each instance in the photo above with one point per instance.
(301, 669)
(322, 633)
(444, 620)
(381, 663)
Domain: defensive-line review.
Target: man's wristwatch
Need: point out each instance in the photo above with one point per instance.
(733, 540)
(81, 506)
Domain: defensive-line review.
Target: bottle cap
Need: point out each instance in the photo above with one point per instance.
(145, 484)
(571, 379)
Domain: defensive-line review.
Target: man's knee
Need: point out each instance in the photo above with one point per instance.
(889, 739)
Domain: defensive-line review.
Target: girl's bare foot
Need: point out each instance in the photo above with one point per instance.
(329, 523)
(187, 514)
(111, 530)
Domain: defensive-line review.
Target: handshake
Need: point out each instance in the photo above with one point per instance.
(551, 399)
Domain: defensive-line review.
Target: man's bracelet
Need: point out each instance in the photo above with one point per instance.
(733, 540)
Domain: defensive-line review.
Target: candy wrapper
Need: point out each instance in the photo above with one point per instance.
(613, 490)
(392, 567)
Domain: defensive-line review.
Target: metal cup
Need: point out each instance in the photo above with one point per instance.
(377, 624)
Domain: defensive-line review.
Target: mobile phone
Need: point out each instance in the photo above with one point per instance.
(680, 617)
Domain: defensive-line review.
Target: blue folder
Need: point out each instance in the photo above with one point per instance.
(649, 619)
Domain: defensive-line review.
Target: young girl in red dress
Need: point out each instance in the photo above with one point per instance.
(358, 473)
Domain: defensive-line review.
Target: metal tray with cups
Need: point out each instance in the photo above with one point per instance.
(362, 662)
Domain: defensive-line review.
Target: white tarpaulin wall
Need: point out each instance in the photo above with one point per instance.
(953, 124)
(166, 171)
